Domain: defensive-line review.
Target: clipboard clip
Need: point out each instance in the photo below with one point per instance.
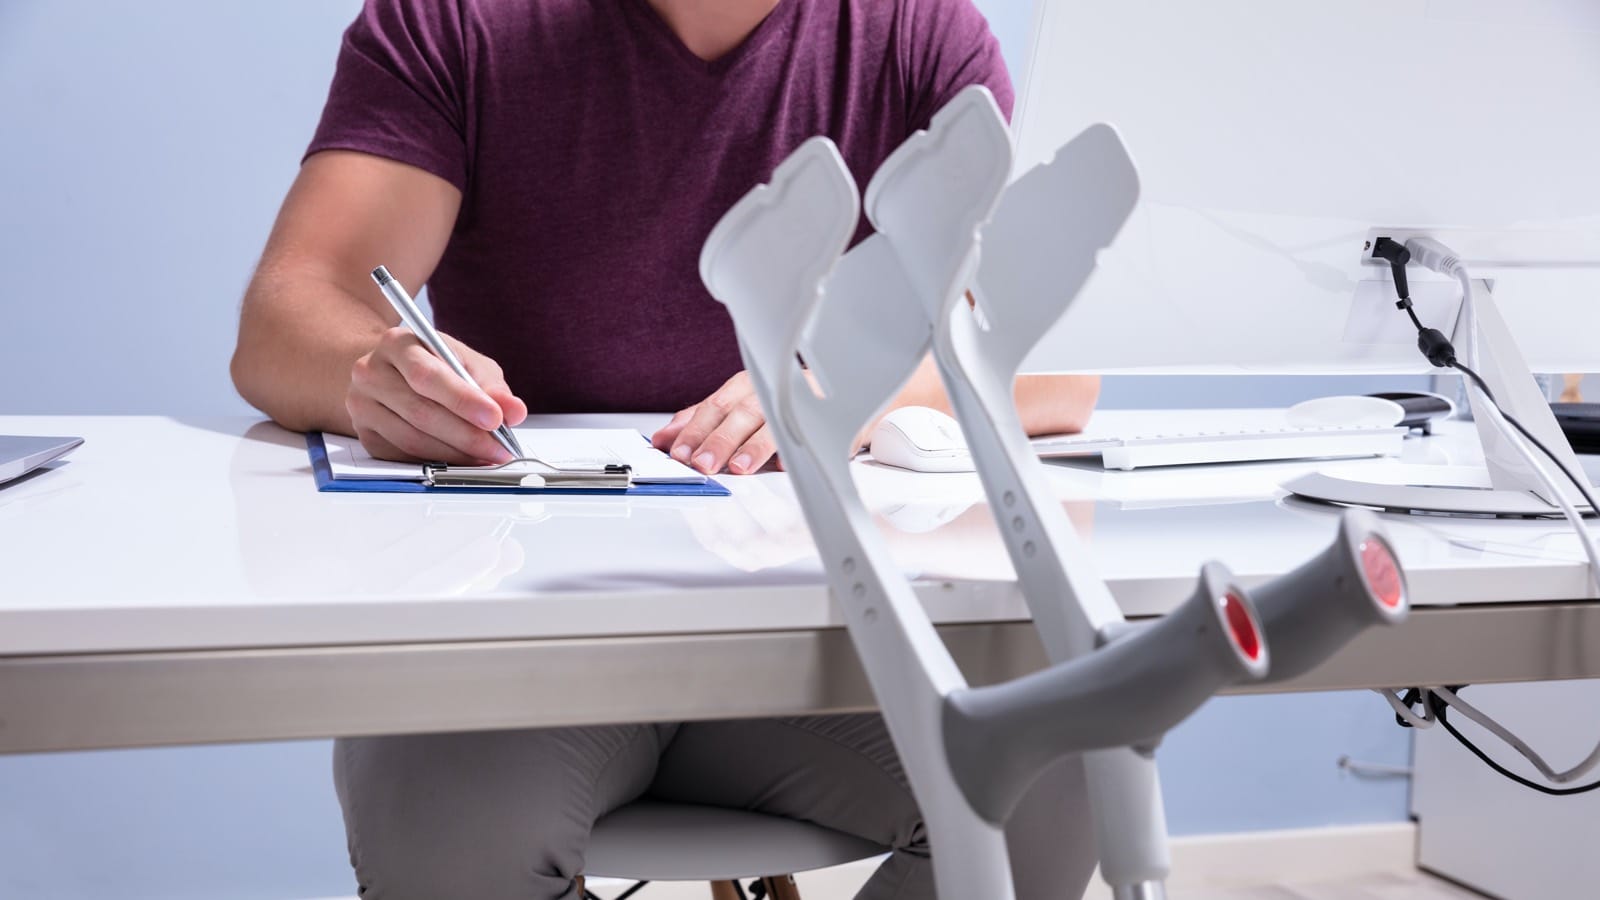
(515, 474)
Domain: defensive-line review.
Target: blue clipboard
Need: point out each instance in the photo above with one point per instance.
(326, 483)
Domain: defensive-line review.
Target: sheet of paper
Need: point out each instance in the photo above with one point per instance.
(560, 447)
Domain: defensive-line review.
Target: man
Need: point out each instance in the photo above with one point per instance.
(550, 169)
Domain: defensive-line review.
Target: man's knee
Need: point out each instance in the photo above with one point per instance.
(491, 815)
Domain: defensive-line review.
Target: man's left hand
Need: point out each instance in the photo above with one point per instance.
(726, 430)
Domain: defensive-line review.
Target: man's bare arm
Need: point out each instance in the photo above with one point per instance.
(1047, 404)
(319, 348)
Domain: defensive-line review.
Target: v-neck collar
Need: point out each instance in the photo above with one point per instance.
(758, 37)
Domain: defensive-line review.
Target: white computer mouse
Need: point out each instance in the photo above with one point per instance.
(1346, 412)
(922, 440)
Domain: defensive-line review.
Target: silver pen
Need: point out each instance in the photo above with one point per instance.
(423, 329)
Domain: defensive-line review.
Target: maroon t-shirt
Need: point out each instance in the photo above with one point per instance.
(595, 153)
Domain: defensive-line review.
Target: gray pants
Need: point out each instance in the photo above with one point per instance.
(506, 815)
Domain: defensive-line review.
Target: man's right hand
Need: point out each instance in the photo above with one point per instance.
(312, 312)
(407, 404)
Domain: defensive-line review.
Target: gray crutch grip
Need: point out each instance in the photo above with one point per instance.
(1129, 692)
(1355, 584)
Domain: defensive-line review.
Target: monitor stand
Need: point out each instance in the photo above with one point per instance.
(1506, 486)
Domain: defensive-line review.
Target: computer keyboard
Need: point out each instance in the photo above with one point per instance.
(1179, 448)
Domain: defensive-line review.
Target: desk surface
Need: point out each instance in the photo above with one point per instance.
(163, 537)
(164, 534)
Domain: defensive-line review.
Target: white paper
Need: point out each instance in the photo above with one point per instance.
(560, 447)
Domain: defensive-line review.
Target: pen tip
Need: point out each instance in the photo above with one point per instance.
(381, 276)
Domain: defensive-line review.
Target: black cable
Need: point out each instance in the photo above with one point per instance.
(1582, 484)
(1439, 351)
(1398, 257)
(1441, 714)
(1410, 698)
(1437, 703)
(1410, 311)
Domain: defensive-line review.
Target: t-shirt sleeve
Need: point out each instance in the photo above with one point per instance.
(398, 91)
(947, 46)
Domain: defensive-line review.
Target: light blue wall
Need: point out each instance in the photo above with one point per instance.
(144, 149)
(252, 822)
(1261, 763)
(149, 145)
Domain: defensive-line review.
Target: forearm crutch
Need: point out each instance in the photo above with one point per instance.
(857, 332)
(1025, 252)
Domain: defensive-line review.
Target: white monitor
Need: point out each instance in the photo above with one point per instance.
(1274, 138)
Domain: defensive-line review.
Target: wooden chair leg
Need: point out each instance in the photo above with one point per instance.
(724, 890)
(781, 887)
(579, 879)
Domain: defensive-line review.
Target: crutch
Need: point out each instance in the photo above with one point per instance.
(939, 200)
(858, 334)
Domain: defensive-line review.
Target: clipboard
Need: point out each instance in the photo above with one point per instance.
(491, 480)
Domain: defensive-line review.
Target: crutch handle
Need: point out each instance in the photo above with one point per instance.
(1353, 585)
(1129, 692)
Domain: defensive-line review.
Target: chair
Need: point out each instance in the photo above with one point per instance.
(650, 841)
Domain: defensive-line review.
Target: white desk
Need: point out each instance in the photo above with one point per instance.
(183, 582)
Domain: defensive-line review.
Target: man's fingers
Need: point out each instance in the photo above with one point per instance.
(755, 453)
(489, 376)
(380, 389)
(742, 422)
(429, 376)
(663, 438)
(513, 411)
(441, 424)
(702, 421)
(388, 436)
(380, 448)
